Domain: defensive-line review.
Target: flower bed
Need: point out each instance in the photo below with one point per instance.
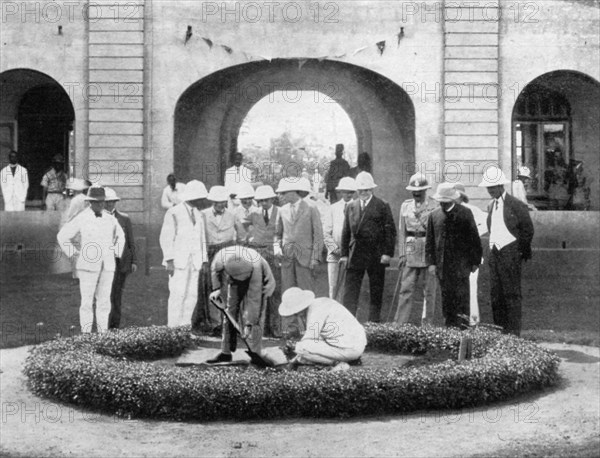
(110, 372)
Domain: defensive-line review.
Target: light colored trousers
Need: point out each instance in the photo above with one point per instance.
(55, 202)
(13, 205)
(183, 295)
(311, 351)
(94, 285)
(333, 273)
(410, 277)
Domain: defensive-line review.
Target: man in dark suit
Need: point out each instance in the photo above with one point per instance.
(126, 264)
(511, 232)
(368, 241)
(452, 252)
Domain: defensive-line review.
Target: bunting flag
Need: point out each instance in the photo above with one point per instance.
(400, 35)
(381, 45)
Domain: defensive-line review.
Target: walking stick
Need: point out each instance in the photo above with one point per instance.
(396, 290)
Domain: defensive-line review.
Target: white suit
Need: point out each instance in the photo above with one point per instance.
(183, 241)
(14, 188)
(333, 241)
(102, 240)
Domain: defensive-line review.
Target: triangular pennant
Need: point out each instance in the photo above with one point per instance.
(381, 47)
(400, 35)
(266, 58)
(208, 41)
(359, 50)
(340, 56)
(227, 49)
(301, 63)
(322, 58)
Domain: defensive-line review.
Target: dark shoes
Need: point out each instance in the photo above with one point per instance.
(220, 358)
(355, 362)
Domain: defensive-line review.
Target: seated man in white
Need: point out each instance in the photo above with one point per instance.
(333, 336)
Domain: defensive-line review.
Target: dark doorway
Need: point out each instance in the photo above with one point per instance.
(45, 120)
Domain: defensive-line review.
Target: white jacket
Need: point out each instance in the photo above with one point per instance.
(181, 239)
(14, 187)
(333, 230)
(102, 240)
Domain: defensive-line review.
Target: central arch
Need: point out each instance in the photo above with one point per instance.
(210, 113)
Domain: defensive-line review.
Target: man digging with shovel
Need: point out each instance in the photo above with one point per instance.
(251, 282)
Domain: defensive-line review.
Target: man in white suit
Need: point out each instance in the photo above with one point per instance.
(15, 183)
(183, 243)
(333, 231)
(102, 240)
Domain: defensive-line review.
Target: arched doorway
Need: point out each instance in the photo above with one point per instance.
(210, 113)
(555, 135)
(37, 118)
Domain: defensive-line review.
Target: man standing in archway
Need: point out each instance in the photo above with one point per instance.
(15, 183)
(54, 183)
(237, 174)
(338, 169)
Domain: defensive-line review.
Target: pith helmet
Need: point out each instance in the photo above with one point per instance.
(218, 194)
(293, 184)
(493, 176)
(524, 172)
(264, 192)
(111, 195)
(194, 190)
(364, 180)
(244, 191)
(346, 184)
(418, 182)
(295, 300)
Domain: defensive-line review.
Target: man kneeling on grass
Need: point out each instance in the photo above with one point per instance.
(333, 335)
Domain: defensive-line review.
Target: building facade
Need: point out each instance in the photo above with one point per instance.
(129, 91)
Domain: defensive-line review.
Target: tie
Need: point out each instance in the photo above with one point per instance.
(192, 216)
(98, 215)
(266, 216)
(362, 208)
(496, 208)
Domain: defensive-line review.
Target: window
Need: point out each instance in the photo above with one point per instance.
(541, 142)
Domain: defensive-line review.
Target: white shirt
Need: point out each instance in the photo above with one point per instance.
(499, 234)
(171, 197)
(14, 187)
(102, 240)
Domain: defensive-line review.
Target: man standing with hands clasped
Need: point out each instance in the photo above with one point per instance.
(452, 252)
(511, 232)
(368, 241)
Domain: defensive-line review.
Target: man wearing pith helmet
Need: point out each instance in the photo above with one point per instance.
(414, 215)
(511, 232)
(183, 243)
(368, 241)
(334, 338)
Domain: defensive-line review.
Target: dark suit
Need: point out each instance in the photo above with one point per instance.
(505, 264)
(123, 268)
(364, 240)
(454, 247)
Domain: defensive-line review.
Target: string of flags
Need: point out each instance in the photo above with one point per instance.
(381, 46)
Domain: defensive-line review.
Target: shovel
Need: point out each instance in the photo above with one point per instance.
(255, 358)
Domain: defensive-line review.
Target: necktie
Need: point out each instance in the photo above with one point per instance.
(266, 216)
(496, 208)
(362, 208)
(98, 215)
(192, 216)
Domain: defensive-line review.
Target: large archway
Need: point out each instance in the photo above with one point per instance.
(555, 134)
(209, 114)
(37, 119)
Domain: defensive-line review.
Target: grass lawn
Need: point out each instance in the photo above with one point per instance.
(557, 307)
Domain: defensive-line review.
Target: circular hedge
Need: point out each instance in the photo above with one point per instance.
(111, 372)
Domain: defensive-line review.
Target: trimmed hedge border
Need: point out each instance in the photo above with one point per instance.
(110, 372)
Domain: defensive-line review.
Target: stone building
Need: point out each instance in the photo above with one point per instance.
(129, 91)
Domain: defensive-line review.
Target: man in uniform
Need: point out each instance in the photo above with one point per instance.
(54, 184)
(511, 232)
(414, 215)
(15, 183)
(126, 264)
(102, 240)
(338, 168)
